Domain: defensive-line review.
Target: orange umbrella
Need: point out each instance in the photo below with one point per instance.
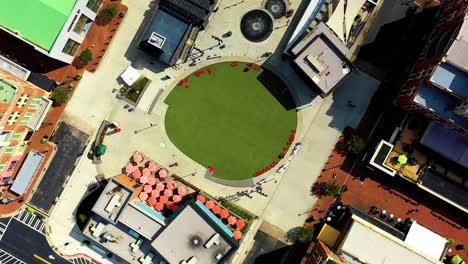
(163, 199)
(137, 157)
(148, 189)
(155, 193)
(144, 179)
(143, 196)
(209, 204)
(129, 168)
(146, 172)
(176, 198)
(136, 174)
(151, 180)
(160, 186)
(152, 166)
(168, 192)
(159, 206)
(237, 234)
(232, 220)
(216, 209)
(240, 224)
(162, 173)
(152, 201)
(224, 213)
(170, 185)
(201, 198)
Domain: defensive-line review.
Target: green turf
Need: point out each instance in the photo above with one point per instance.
(229, 120)
(7, 92)
(38, 21)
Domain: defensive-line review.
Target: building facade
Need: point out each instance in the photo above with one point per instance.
(436, 85)
(23, 108)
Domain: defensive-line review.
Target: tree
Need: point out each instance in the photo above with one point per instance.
(356, 144)
(108, 13)
(331, 188)
(60, 94)
(86, 57)
(306, 234)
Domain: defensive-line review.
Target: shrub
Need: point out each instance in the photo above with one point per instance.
(121, 14)
(229, 33)
(136, 88)
(460, 247)
(86, 57)
(78, 76)
(450, 241)
(356, 144)
(108, 13)
(60, 94)
(82, 218)
(300, 234)
(237, 210)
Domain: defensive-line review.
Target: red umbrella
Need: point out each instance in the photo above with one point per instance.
(209, 204)
(129, 168)
(148, 189)
(170, 185)
(237, 234)
(211, 169)
(143, 196)
(152, 166)
(162, 173)
(216, 209)
(232, 220)
(159, 206)
(168, 192)
(224, 213)
(144, 179)
(137, 157)
(201, 198)
(151, 180)
(174, 208)
(146, 172)
(163, 199)
(176, 198)
(155, 193)
(240, 224)
(136, 174)
(152, 201)
(160, 186)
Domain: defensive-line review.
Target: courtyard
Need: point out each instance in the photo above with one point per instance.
(226, 108)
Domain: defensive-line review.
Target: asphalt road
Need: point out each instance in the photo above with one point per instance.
(21, 242)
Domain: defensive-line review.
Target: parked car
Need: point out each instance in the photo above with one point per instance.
(283, 167)
(296, 149)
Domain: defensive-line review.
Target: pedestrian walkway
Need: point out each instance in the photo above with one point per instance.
(33, 221)
(81, 260)
(7, 258)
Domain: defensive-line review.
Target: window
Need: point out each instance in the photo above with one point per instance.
(26, 118)
(34, 102)
(82, 25)
(16, 136)
(12, 165)
(23, 100)
(13, 118)
(9, 150)
(71, 47)
(2, 165)
(317, 257)
(94, 5)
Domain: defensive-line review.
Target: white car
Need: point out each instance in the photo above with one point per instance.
(296, 149)
(283, 167)
(214, 56)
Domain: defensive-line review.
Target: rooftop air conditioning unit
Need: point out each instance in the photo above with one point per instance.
(156, 40)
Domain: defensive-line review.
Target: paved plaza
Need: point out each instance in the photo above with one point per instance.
(320, 122)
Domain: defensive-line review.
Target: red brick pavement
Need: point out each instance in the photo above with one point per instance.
(392, 194)
(98, 40)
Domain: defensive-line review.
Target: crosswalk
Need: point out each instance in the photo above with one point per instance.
(3, 228)
(32, 220)
(7, 258)
(81, 260)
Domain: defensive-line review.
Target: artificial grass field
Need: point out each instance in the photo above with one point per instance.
(229, 120)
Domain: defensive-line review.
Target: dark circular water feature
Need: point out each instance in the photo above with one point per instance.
(277, 8)
(257, 25)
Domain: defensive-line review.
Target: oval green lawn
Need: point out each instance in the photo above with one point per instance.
(229, 120)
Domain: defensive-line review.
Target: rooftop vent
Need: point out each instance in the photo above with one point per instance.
(195, 241)
(156, 40)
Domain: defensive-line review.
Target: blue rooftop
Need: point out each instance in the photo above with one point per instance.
(214, 218)
(27, 172)
(441, 103)
(151, 211)
(447, 142)
(451, 78)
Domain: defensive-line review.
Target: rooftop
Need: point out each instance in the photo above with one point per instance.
(7, 92)
(176, 241)
(41, 111)
(441, 103)
(322, 57)
(112, 201)
(456, 54)
(13, 68)
(40, 21)
(451, 78)
(27, 172)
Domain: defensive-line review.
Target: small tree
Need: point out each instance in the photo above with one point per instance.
(305, 235)
(331, 188)
(86, 57)
(60, 94)
(460, 247)
(78, 76)
(356, 144)
(108, 13)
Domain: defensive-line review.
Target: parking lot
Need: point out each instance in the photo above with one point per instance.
(71, 143)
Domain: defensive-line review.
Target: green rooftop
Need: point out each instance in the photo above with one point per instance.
(7, 92)
(38, 21)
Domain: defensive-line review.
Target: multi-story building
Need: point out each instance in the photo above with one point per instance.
(437, 84)
(54, 28)
(23, 107)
